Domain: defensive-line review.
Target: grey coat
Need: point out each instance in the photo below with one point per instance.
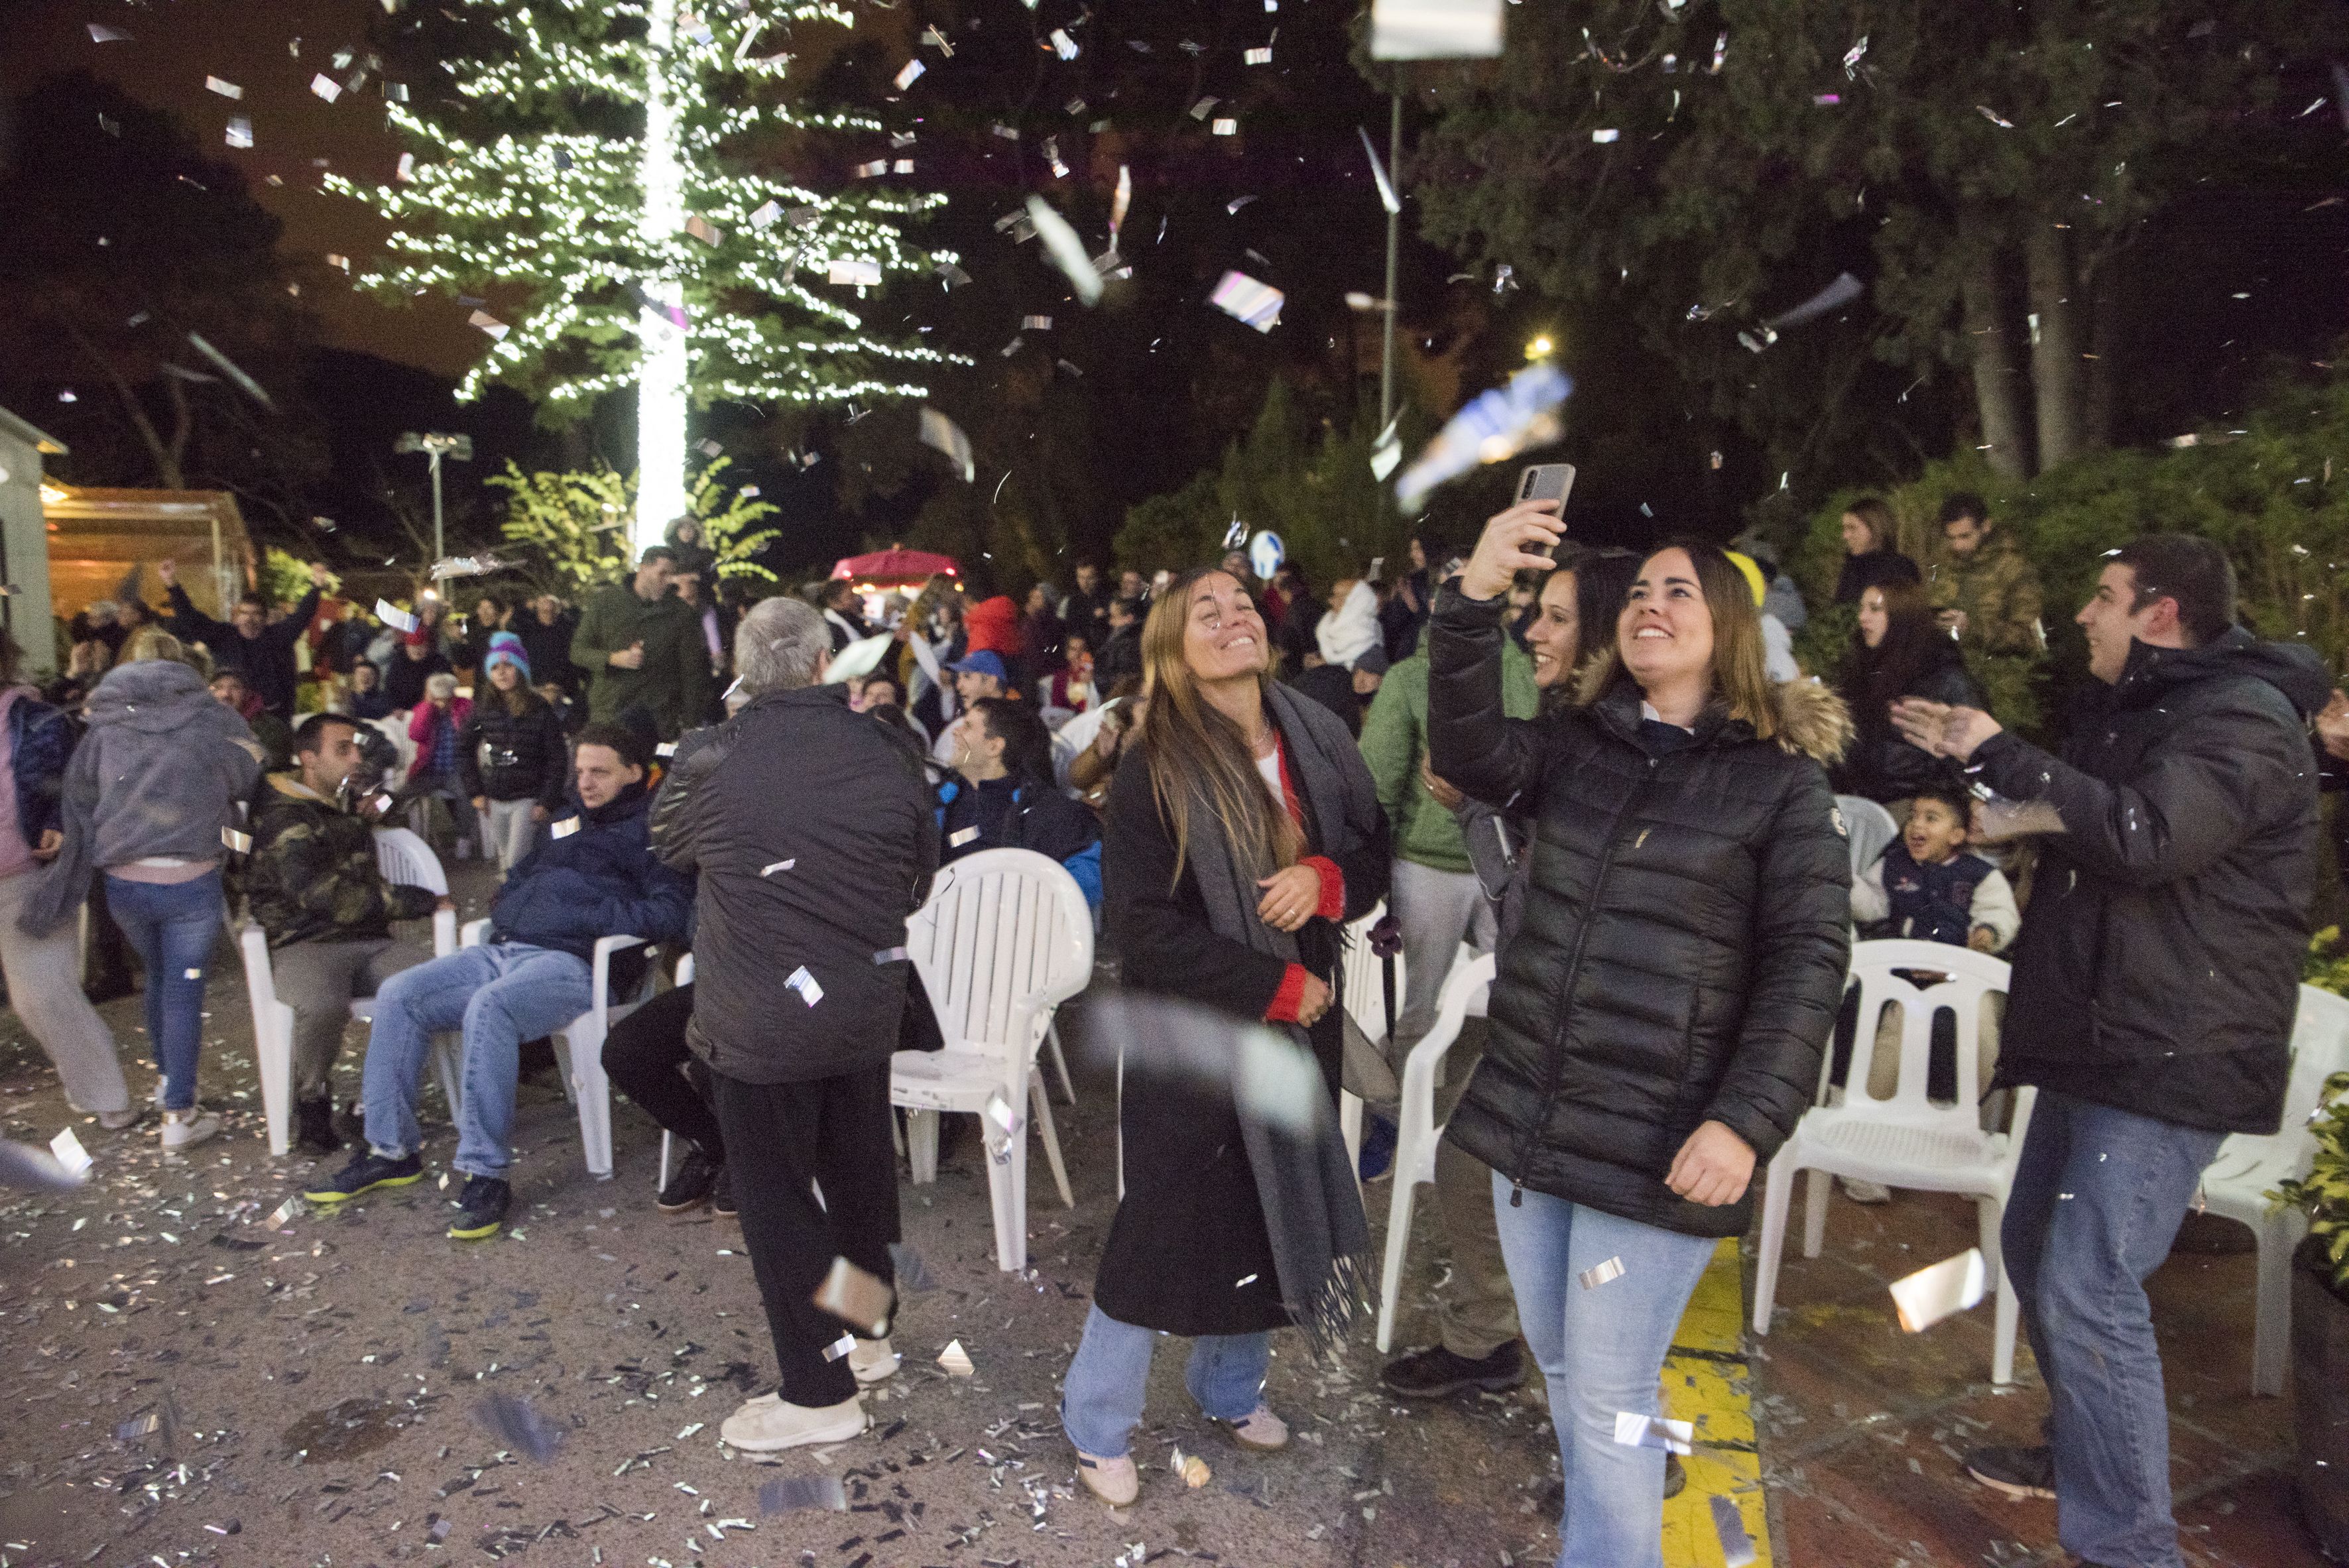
(158, 773)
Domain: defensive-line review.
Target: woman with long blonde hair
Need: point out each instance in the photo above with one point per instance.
(1660, 1010)
(1243, 830)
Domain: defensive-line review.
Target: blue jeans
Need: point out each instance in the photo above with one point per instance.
(500, 995)
(1601, 1351)
(2098, 1196)
(1100, 1399)
(171, 926)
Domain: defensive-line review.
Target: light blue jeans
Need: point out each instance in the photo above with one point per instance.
(1601, 1350)
(500, 995)
(1100, 1400)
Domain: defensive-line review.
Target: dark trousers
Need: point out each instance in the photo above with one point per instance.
(788, 1140)
(646, 1057)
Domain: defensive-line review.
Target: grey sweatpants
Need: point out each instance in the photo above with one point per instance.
(510, 832)
(43, 974)
(1438, 910)
(317, 980)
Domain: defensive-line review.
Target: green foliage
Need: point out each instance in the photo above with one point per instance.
(2323, 1194)
(286, 577)
(1313, 486)
(2326, 963)
(2266, 490)
(577, 524)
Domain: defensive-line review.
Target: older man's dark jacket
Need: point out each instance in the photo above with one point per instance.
(2158, 969)
(810, 826)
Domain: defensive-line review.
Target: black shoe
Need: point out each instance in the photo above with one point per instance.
(314, 1127)
(1552, 1501)
(1433, 1373)
(2016, 1471)
(696, 1175)
(367, 1171)
(480, 1209)
(721, 1192)
(351, 1124)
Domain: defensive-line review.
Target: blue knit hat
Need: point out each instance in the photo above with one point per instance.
(506, 648)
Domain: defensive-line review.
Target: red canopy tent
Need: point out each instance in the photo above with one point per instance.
(894, 566)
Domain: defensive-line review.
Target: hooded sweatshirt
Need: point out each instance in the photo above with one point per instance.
(1351, 629)
(159, 775)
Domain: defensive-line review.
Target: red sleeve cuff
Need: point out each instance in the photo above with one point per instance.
(1333, 886)
(1288, 998)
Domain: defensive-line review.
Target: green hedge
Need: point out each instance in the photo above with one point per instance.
(2272, 488)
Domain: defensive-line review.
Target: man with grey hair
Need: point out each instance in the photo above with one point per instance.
(800, 979)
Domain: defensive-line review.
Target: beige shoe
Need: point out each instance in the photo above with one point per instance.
(186, 1129)
(1259, 1430)
(1115, 1481)
(872, 1361)
(763, 1427)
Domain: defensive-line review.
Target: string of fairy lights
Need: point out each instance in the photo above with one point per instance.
(662, 255)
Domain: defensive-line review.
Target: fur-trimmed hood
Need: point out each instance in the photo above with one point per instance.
(1808, 717)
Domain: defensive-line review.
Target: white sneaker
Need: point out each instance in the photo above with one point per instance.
(767, 1425)
(186, 1129)
(872, 1361)
(1259, 1430)
(1860, 1192)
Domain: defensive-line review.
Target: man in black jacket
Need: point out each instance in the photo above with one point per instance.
(2154, 981)
(800, 979)
(246, 642)
(1003, 797)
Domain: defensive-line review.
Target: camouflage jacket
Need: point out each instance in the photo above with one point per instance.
(1999, 592)
(312, 875)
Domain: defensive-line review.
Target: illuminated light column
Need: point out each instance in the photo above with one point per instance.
(661, 397)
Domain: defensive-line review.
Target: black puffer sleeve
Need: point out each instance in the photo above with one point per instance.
(1471, 741)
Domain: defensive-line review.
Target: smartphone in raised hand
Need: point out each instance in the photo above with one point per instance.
(1546, 481)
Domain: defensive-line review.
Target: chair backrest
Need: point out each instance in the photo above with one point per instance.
(1970, 978)
(407, 861)
(1870, 829)
(1361, 985)
(2319, 1048)
(685, 970)
(1002, 928)
(395, 729)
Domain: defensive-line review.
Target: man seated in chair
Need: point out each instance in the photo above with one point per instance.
(1001, 795)
(594, 876)
(313, 888)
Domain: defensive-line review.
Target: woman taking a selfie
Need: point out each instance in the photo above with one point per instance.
(1659, 1015)
(1243, 829)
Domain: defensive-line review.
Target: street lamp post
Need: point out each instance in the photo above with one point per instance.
(436, 445)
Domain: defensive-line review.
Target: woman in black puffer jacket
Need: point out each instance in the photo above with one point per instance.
(1897, 652)
(513, 757)
(1660, 1014)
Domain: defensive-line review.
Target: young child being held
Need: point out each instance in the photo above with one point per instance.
(1929, 889)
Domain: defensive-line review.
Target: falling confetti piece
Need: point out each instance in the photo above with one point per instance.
(392, 615)
(28, 1169)
(1601, 1273)
(946, 435)
(956, 1360)
(1245, 299)
(1434, 29)
(1942, 1290)
(1387, 197)
(240, 132)
(1499, 424)
(326, 86)
(1835, 296)
(1610, 135)
(805, 985)
(863, 274)
(911, 74)
(1634, 1431)
(1063, 45)
(225, 90)
(70, 1155)
(101, 34)
(857, 1296)
(488, 323)
(240, 842)
(1737, 1545)
(1226, 128)
(1066, 251)
(1201, 110)
(765, 216)
(701, 229)
(1996, 119)
(251, 387)
(1119, 203)
(1262, 57)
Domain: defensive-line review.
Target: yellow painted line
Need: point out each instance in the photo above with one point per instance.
(1710, 1391)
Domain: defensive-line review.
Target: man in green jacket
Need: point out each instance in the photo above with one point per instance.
(1436, 898)
(642, 648)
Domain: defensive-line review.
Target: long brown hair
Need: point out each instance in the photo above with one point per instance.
(1195, 753)
(1741, 683)
(1876, 678)
(1877, 518)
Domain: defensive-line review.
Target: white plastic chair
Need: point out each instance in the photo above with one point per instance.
(1005, 938)
(1868, 828)
(405, 861)
(579, 1045)
(1362, 988)
(2248, 1166)
(684, 977)
(1904, 1141)
(1466, 991)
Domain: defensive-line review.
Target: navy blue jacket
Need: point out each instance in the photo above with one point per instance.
(594, 874)
(1005, 814)
(1932, 903)
(40, 741)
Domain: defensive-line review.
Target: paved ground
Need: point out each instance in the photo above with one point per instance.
(314, 1389)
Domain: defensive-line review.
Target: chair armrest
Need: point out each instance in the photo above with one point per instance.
(604, 947)
(473, 933)
(444, 933)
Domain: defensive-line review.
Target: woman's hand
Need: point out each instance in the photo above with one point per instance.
(1446, 794)
(1713, 1167)
(1107, 738)
(1314, 1002)
(52, 841)
(1506, 548)
(1290, 897)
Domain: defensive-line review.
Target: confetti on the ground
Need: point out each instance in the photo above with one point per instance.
(1941, 1290)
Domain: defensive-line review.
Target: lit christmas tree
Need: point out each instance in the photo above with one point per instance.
(622, 161)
